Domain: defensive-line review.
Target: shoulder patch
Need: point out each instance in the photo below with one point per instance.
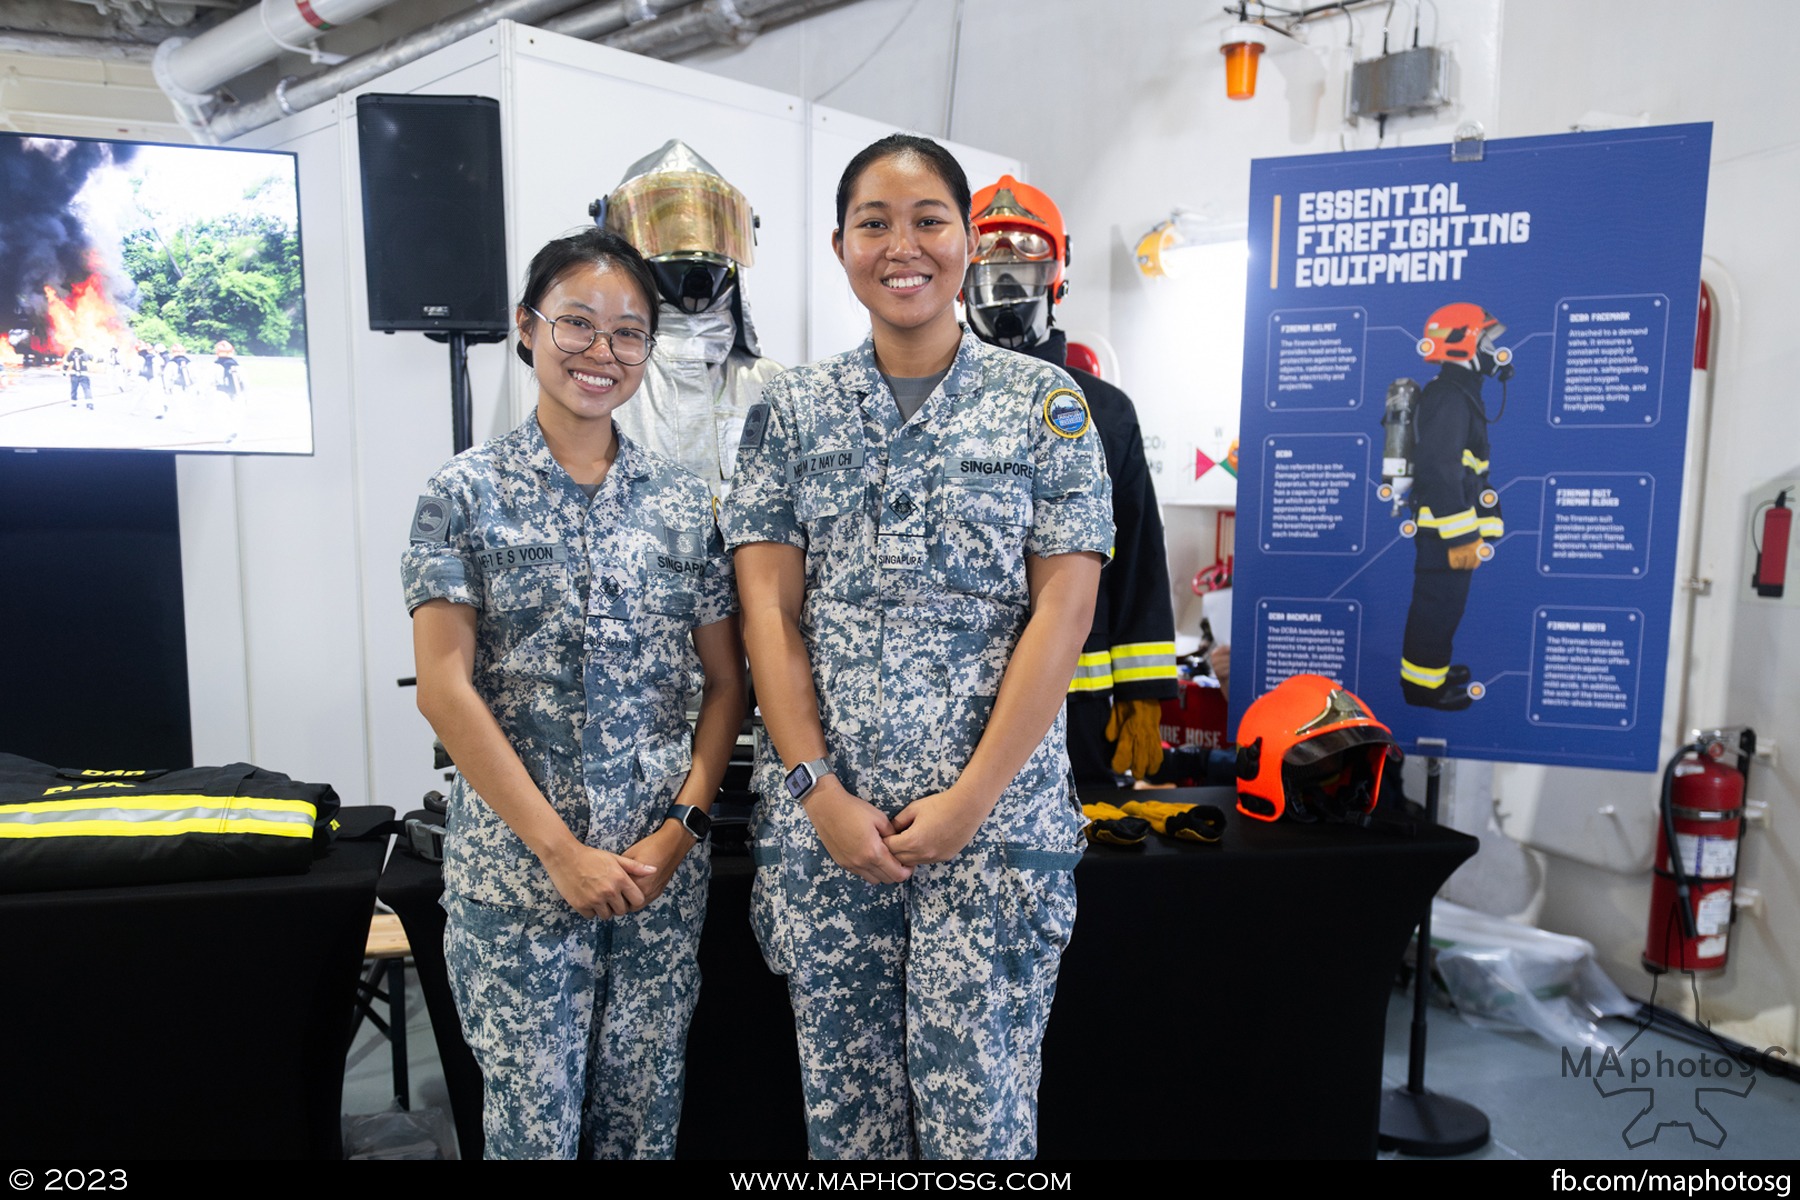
(1066, 413)
(431, 520)
(756, 423)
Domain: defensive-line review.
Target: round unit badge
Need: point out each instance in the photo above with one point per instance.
(1066, 413)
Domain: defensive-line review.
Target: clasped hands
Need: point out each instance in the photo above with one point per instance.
(864, 841)
(599, 883)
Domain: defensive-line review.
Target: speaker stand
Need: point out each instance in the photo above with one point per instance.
(1413, 1120)
(462, 418)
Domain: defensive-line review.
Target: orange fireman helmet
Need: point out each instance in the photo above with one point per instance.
(1011, 207)
(1312, 749)
(1455, 332)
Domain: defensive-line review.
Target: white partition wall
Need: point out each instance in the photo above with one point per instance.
(296, 631)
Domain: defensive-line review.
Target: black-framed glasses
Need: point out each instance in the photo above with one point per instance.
(573, 335)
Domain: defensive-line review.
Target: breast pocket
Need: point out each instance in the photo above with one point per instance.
(524, 576)
(828, 494)
(981, 539)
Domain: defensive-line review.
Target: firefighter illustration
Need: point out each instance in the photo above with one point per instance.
(1435, 465)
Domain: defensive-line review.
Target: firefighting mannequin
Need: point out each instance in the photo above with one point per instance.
(1127, 665)
(1457, 512)
(707, 371)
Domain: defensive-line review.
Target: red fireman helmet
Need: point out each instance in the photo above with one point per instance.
(1456, 331)
(1011, 205)
(1310, 748)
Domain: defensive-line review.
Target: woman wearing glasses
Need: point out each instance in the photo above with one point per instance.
(562, 581)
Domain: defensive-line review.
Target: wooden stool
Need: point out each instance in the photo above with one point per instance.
(387, 950)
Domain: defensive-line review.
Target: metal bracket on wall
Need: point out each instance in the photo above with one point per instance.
(1469, 144)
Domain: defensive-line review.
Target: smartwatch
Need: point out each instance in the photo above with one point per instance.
(805, 777)
(692, 819)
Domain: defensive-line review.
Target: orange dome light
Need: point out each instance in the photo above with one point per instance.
(1242, 45)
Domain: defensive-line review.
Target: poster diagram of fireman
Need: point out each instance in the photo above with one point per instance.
(1435, 463)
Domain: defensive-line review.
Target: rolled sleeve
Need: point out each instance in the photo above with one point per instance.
(436, 563)
(1071, 492)
(760, 507)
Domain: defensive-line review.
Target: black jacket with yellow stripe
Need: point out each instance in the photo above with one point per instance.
(1451, 495)
(1130, 651)
(62, 828)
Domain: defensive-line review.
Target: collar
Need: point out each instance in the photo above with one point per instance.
(964, 376)
(529, 445)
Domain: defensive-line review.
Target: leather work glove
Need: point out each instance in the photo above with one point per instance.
(1135, 729)
(1466, 558)
(1110, 824)
(1189, 822)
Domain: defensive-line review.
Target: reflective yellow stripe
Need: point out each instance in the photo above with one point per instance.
(1093, 672)
(107, 814)
(1423, 676)
(1143, 660)
(1134, 674)
(108, 800)
(1143, 649)
(1492, 528)
(233, 825)
(1454, 525)
(1474, 464)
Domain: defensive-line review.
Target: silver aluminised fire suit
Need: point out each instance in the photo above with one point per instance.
(705, 375)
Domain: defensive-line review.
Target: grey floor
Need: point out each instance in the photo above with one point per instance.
(1535, 1110)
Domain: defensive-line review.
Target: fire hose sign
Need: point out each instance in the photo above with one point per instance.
(1463, 429)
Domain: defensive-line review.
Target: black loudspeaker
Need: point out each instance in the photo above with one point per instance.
(434, 217)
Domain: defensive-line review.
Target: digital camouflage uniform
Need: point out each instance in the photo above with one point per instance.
(920, 1007)
(583, 652)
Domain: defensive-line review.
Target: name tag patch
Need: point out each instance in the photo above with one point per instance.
(994, 468)
(526, 554)
(900, 552)
(821, 461)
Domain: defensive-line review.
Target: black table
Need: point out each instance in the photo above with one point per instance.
(1217, 1001)
(186, 1020)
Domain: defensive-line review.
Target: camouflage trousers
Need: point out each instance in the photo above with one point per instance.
(919, 1007)
(580, 1025)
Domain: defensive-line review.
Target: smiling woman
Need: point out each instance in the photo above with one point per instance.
(562, 581)
(938, 511)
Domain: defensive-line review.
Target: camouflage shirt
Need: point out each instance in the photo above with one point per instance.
(916, 534)
(583, 647)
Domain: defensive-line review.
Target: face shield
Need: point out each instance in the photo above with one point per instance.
(1009, 302)
(674, 203)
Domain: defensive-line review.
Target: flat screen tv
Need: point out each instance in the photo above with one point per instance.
(151, 298)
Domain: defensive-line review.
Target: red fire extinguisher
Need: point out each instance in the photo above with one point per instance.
(1770, 576)
(1703, 818)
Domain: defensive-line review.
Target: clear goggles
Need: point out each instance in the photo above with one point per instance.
(683, 212)
(992, 283)
(1013, 245)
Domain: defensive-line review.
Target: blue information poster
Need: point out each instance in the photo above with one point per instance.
(1464, 419)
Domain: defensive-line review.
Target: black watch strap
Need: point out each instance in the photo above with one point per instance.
(694, 820)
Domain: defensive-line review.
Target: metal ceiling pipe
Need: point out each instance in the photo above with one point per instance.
(712, 22)
(188, 69)
(597, 20)
(292, 96)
